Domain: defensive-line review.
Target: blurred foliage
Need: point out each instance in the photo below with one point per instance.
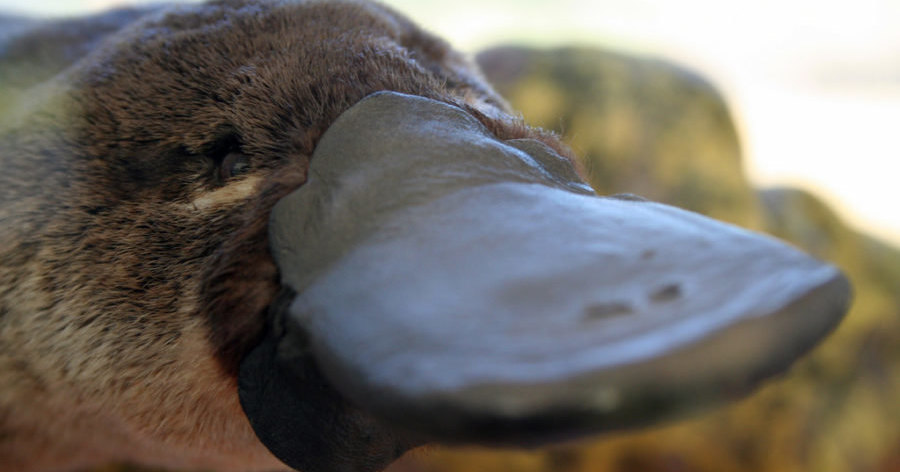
(648, 127)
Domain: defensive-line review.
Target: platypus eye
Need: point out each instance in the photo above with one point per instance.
(227, 155)
(233, 164)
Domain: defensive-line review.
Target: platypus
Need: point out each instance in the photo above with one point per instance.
(267, 235)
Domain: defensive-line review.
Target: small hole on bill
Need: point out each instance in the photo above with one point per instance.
(607, 310)
(666, 293)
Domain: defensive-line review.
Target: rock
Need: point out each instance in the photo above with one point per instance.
(638, 125)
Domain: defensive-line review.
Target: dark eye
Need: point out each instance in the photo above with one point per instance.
(234, 164)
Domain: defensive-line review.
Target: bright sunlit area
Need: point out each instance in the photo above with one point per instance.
(814, 86)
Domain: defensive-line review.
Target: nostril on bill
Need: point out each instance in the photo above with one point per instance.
(666, 293)
(607, 310)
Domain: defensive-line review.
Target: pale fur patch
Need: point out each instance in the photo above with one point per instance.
(231, 193)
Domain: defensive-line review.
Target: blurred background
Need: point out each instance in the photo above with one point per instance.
(781, 116)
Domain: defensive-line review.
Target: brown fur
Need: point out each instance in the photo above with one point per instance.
(132, 278)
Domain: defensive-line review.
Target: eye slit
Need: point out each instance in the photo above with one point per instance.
(234, 163)
(225, 153)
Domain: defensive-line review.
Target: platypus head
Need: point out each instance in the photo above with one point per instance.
(312, 229)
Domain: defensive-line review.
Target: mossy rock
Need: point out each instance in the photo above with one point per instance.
(639, 125)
